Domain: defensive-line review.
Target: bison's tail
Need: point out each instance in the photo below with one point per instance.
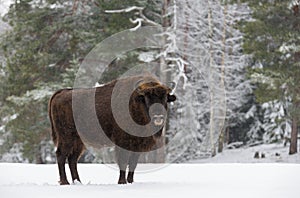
(53, 132)
(50, 106)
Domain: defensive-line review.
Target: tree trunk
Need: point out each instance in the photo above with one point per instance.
(221, 141)
(222, 134)
(158, 156)
(294, 136)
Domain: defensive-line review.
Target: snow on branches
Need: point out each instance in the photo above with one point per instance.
(208, 51)
(140, 17)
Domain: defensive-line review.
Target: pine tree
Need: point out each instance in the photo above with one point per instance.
(273, 40)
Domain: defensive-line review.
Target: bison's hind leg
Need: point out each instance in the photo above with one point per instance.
(61, 160)
(73, 159)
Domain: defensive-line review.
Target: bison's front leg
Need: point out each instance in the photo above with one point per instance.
(133, 160)
(122, 157)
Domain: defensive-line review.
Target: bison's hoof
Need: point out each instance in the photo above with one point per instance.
(130, 181)
(64, 182)
(123, 181)
(130, 177)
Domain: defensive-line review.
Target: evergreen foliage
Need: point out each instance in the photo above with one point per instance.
(272, 37)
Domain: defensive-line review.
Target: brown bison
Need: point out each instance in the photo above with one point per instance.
(97, 117)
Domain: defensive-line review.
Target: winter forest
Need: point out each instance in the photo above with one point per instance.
(235, 66)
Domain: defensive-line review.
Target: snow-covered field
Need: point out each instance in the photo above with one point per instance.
(273, 153)
(175, 180)
(276, 175)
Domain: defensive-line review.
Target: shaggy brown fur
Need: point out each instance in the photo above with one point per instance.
(69, 139)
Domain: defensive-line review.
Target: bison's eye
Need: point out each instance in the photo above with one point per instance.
(140, 98)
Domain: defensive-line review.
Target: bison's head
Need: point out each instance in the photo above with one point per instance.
(153, 97)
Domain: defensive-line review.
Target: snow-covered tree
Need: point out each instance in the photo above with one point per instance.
(212, 70)
(273, 40)
(276, 124)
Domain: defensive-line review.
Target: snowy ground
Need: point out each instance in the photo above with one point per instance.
(274, 153)
(176, 180)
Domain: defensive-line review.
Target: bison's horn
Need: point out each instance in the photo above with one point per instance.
(137, 84)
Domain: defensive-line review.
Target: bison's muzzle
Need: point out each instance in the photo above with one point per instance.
(158, 120)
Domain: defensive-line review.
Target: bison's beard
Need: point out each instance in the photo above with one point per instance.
(158, 134)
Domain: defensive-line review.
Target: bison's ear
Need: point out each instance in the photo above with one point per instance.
(171, 98)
